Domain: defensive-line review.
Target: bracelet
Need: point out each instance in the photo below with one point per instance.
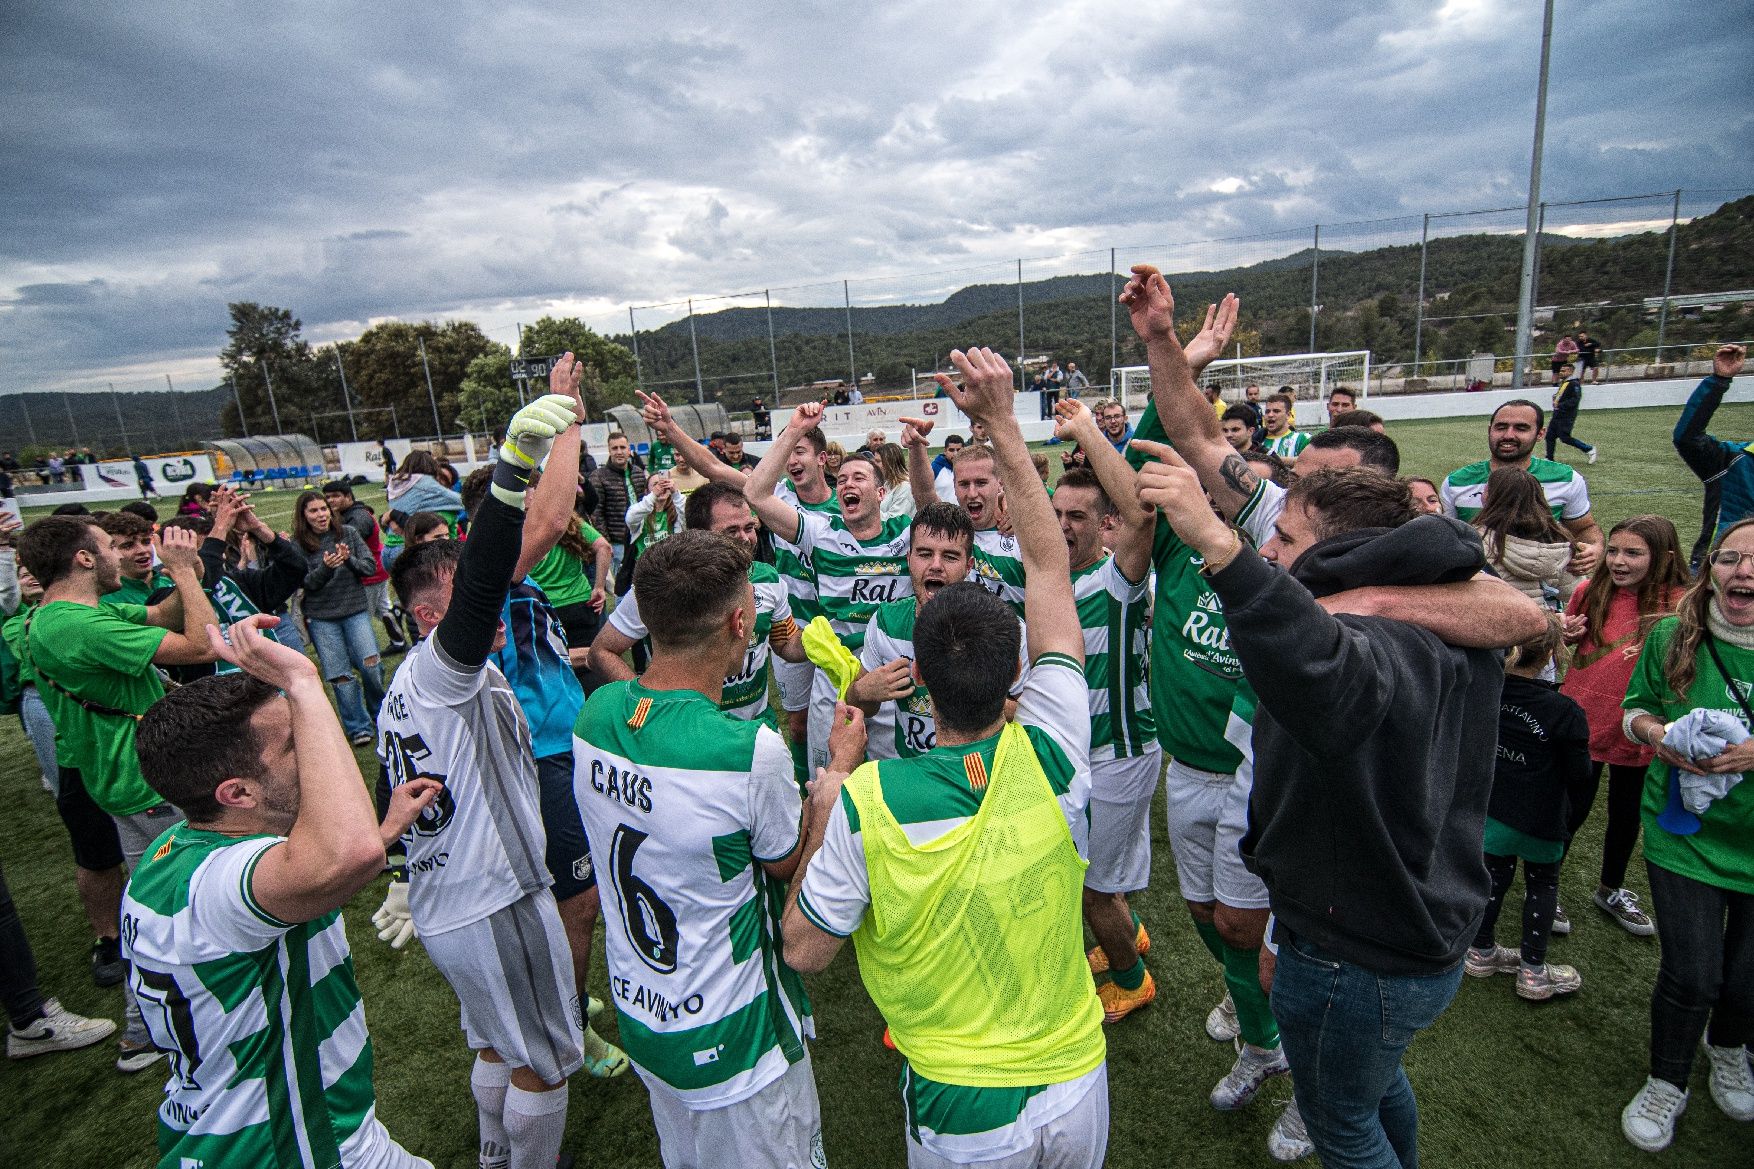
(1223, 562)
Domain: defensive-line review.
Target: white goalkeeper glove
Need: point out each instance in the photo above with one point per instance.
(394, 923)
(528, 439)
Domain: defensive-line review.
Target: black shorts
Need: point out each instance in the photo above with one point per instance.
(569, 853)
(97, 847)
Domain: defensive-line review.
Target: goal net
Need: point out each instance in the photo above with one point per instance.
(1311, 377)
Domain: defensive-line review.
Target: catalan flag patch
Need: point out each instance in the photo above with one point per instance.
(640, 712)
(976, 768)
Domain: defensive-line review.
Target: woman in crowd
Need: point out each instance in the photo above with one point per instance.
(423, 527)
(416, 487)
(1425, 497)
(1524, 543)
(899, 499)
(1641, 576)
(337, 615)
(1694, 676)
(831, 468)
(197, 500)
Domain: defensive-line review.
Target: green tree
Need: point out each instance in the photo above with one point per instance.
(264, 352)
(487, 396)
(608, 377)
(384, 369)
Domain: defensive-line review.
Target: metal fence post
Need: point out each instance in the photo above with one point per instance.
(72, 425)
(272, 404)
(773, 359)
(438, 428)
(1668, 277)
(24, 404)
(176, 410)
(846, 292)
(633, 335)
(238, 401)
(1419, 308)
(1315, 269)
(346, 396)
(1021, 384)
(1114, 336)
(1525, 309)
(694, 347)
(116, 401)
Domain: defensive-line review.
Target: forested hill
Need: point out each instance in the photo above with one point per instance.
(1367, 301)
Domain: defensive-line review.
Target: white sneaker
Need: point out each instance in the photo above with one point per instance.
(131, 1059)
(1498, 960)
(1221, 1024)
(1649, 1121)
(1289, 1140)
(1732, 1082)
(58, 1030)
(1594, 451)
(1253, 1068)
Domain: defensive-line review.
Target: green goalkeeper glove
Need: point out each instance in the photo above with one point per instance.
(528, 440)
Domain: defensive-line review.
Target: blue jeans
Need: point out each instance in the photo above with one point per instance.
(286, 633)
(1344, 1029)
(342, 647)
(40, 729)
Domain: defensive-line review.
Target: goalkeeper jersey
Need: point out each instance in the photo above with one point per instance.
(683, 804)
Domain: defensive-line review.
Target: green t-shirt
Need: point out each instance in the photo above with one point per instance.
(562, 575)
(1721, 853)
(102, 654)
(138, 592)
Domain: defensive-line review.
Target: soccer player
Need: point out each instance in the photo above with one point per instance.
(694, 820)
(1341, 400)
(95, 671)
(1511, 435)
(1282, 440)
(806, 487)
(478, 888)
(897, 708)
(858, 558)
(721, 508)
(1099, 507)
(957, 874)
(997, 567)
(1237, 426)
(233, 924)
(1481, 613)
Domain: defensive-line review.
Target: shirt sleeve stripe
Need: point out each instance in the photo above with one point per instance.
(816, 918)
(245, 881)
(1063, 659)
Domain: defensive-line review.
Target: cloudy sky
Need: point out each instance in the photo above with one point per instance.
(500, 161)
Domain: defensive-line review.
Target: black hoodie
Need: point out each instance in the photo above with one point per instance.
(1373, 748)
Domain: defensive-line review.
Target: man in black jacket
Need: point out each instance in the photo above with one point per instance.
(1368, 809)
(618, 483)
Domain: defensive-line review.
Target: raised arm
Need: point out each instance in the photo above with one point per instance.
(656, 414)
(919, 460)
(1704, 455)
(549, 509)
(1138, 523)
(781, 518)
(1049, 612)
(1185, 416)
(484, 574)
(179, 549)
(333, 849)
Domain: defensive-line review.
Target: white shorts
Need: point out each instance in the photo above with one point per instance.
(1120, 822)
(780, 1127)
(822, 699)
(1075, 1139)
(1208, 815)
(512, 973)
(372, 1147)
(795, 681)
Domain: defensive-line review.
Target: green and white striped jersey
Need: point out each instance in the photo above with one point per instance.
(998, 567)
(745, 693)
(789, 559)
(270, 1063)
(1115, 613)
(902, 730)
(1464, 489)
(855, 576)
(683, 804)
(1287, 446)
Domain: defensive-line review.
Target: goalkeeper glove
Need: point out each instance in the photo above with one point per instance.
(528, 440)
(394, 923)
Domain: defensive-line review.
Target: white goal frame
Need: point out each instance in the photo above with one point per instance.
(1310, 375)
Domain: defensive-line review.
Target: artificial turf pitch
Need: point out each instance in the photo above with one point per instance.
(1499, 1081)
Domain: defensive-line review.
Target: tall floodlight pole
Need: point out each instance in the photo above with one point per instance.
(176, 410)
(116, 400)
(1419, 309)
(238, 401)
(846, 292)
(1668, 277)
(1021, 384)
(1114, 335)
(1525, 305)
(639, 378)
(694, 347)
(1315, 274)
(72, 425)
(273, 406)
(773, 359)
(24, 404)
(346, 396)
(438, 429)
